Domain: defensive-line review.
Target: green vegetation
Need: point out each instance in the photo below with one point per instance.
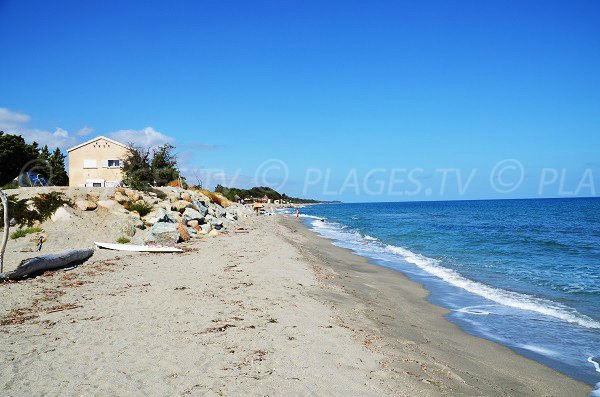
(123, 240)
(39, 209)
(259, 192)
(14, 155)
(140, 207)
(17, 156)
(9, 186)
(47, 203)
(143, 170)
(24, 232)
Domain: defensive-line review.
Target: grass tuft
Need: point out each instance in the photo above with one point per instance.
(140, 207)
(123, 240)
(24, 232)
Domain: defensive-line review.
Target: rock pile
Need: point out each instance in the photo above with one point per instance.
(164, 216)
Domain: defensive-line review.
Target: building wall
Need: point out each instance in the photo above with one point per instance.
(101, 151)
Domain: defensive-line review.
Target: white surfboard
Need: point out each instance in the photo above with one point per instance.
(136, 248)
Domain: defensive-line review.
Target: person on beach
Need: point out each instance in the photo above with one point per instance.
(297, 213)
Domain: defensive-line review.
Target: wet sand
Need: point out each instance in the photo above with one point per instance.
(425, 353)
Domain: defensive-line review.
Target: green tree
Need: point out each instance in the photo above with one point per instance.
(14, 155)
(57, 165)
(136, 168)
(43, 165)
(164, 165)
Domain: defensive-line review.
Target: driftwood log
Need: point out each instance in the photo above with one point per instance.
(48, 262)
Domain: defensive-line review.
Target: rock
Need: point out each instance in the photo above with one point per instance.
(214, 222)
(183, 232)
(121, 198)
(86, 205)
(193, 223)
(161, 215)
(205, 229)
(108, 204)
(192, 214)
(62, 214)
(192, 231)
(173, 197)
(186, 196)
(180, 205)
(202, 209)
(133, 195)
(129, 224)
(163, 233)
(37, 224)
(213, 233)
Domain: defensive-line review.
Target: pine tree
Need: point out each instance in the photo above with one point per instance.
(43, 165)
(164, 165)
(59, 172)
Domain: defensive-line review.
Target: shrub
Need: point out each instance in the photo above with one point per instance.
(11, 185)
(20, 211)
(140, 207)
(123, 240)
(24, 232)
(47, 203)
(43, 207)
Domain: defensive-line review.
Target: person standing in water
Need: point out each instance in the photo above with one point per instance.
(297, 213)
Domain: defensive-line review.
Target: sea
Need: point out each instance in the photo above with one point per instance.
(523, 273)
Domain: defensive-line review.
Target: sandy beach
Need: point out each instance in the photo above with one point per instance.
(274, 311)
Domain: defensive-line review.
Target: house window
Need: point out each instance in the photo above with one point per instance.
(89, 164)
(114, 163)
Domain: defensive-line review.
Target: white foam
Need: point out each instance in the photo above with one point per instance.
(595, 363)
(377, 250)
(540, 350)
(504, 297)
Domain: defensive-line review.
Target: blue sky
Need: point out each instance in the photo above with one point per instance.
(346, 94)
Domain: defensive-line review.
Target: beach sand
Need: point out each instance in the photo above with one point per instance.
(276, 311)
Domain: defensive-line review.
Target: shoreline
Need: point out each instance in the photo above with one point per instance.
(275, 310)
(473, 364)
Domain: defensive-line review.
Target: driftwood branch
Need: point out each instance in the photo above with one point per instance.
(6, 227)
(48, 262)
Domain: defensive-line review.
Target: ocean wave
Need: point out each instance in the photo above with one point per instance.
(375, 249)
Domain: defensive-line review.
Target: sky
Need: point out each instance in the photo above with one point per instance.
(337, 100)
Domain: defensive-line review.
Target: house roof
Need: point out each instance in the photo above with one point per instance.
(94, 140)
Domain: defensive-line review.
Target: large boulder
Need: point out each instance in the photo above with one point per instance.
(86, 205)
(133, 195)
(184, 235)
(163, 233)
(186, 196)
(192, 215)
(204, 229)
(199, 205)
(108, 204)
(180, 205)
(128, 224)
(193, 223)
(62, 214)
(121, 198)
(214, 222)
(161, 215)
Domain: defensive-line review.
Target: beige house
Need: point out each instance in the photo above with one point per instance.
(96, 163)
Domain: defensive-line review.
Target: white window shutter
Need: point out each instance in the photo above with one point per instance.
(89, 163)
(104, 163)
